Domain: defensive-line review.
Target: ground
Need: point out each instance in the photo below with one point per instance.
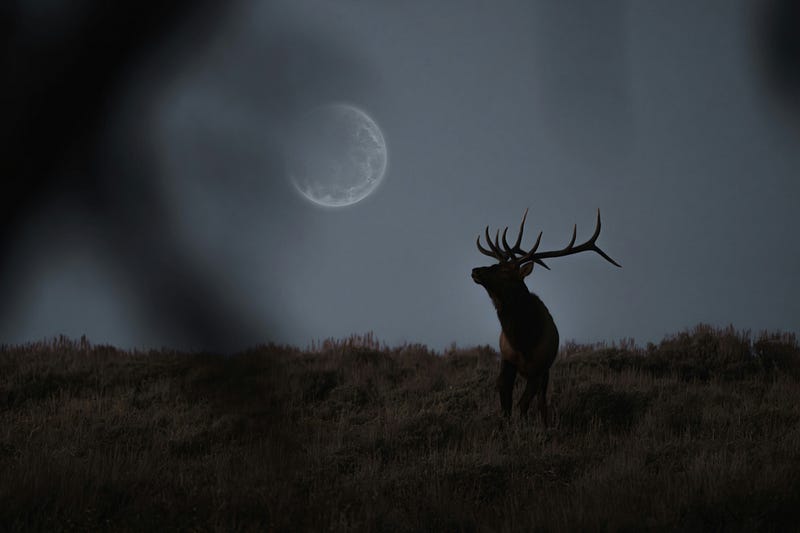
(699, 432)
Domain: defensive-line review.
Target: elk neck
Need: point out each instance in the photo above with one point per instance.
(509, 298)
(523, 316)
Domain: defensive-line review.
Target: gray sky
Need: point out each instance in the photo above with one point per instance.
(655, 112)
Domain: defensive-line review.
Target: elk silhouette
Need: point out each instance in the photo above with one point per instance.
(529, 337)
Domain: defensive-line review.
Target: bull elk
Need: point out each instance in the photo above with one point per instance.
(529, 337)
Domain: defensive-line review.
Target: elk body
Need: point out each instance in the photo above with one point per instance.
(529, 337)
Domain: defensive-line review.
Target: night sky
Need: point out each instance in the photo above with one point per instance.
(146, 204)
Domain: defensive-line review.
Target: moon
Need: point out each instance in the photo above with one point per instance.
(336, 155)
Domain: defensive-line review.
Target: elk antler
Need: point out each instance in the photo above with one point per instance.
(518, 256)
(588, 246)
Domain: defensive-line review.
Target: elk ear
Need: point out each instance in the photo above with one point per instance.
(525, 270)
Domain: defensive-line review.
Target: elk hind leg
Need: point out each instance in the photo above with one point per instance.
(530, 391)
(505, 385)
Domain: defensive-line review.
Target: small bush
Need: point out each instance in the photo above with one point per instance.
(778, 351)
(602, 404)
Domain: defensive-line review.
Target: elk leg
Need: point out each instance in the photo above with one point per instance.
(530, 391)
(505, 385)
(543, 397)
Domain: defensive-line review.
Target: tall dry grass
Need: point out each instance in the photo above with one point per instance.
(698, 432)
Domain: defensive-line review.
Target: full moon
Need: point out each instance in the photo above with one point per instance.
(336, 155)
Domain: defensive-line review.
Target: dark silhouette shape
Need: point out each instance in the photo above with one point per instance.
(779, 49)
(529, 337)
(59, 93)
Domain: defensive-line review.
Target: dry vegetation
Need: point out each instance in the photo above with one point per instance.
(699, 432)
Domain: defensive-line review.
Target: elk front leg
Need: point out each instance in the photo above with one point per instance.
(505, 385)
(543, 397)
(530, 391)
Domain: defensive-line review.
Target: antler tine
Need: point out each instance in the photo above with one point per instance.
(507, 255)
(521, 229)
(512, 251)
(536, 244)
(489, 239)
(483, 250)
(530, 256)
(589, 245)
(597, 248)
(494, 248)
(605, 256)
(574, 234)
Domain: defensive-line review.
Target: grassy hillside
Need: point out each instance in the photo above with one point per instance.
(699, 432)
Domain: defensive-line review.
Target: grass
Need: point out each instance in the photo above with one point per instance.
(699, 432)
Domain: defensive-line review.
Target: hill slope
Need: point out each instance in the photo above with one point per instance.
(699, 432)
